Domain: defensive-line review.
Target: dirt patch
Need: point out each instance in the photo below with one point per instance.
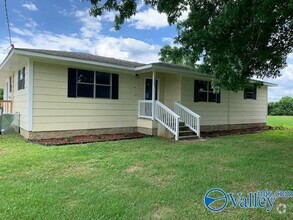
(88, 139)
(133, 169)
(234, 131)
(162, 213)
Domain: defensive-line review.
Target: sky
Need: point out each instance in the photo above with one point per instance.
(66, 25)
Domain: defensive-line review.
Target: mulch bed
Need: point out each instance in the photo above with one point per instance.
(88, 139)
(234, 131)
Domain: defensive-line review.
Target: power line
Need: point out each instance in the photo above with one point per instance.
(7, 19)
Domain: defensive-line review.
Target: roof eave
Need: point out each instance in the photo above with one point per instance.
(68, 59)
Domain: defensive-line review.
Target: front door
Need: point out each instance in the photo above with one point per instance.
(149, 89)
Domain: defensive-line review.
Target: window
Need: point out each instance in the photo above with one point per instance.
(250, 92)
(92, 84)
(203, 92)
(85, 83)
(103, 85)
(21, 79)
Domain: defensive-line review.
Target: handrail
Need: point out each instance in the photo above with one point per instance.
(7, 106)
(145, 109)
(167, 118)
(190, 118)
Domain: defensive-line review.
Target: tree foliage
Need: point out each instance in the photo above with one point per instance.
(173, 54)
(283, 107)
(1, 94)
(237, 39)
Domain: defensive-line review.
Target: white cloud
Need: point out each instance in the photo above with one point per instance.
(168, 40)
(127, 49)
(90, 26)
(88, 39)
(31, 23)
(149, 18)
(30, 6)
(285, 83)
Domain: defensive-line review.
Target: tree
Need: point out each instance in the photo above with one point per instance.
(175, 55)
(237, 39)
(1, 94)
(283, 107)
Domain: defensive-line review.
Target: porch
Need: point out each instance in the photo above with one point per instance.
(7, 106)
(181, 122)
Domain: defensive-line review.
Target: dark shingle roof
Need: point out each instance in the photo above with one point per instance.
(85, 56)
(171, 65)
(108, 60)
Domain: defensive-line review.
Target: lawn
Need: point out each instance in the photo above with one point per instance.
(285, 121)
(148, 178)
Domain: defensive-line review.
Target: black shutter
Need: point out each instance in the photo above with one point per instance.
(23, 77)
(254, 92)
(218, 97)
(18, 81)
(196, 90)
(71, 89)
(115, 86)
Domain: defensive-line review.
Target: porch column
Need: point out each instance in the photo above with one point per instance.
(153, 94)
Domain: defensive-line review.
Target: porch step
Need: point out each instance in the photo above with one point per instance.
(190, 137)
(185, 133)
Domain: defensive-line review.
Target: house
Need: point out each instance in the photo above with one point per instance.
(59, 94)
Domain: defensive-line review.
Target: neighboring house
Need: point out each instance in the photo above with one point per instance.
(60, 94)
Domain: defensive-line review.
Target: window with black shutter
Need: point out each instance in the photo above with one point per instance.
(21, 79)
(92, 84)
(250, 92)
(203, 92)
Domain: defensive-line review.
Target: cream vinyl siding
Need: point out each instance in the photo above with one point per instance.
(53, 110)
(172, 89)
(20, 97)
(233, 109)
(211, 113)
(248, 110)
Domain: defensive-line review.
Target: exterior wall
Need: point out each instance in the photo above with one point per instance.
(20, 97)
(54, 111)
(233, 109)
(211, 113)
(172, 89)
(248, 110)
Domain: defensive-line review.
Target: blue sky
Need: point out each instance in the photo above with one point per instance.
(66, 25)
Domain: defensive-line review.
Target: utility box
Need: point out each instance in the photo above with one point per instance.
(9, 123)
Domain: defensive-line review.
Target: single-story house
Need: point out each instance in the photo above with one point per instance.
(59, 94)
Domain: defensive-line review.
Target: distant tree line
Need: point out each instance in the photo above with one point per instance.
(282, 107)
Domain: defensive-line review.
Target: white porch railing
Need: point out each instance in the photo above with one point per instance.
(7, 106)
(167, 118)
(145, 109)
(191, 119)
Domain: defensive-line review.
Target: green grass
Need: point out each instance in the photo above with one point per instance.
(149, 178)
(285, 121)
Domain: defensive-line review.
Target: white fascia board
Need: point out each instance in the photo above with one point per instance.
(7, 58)
(264, 83)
